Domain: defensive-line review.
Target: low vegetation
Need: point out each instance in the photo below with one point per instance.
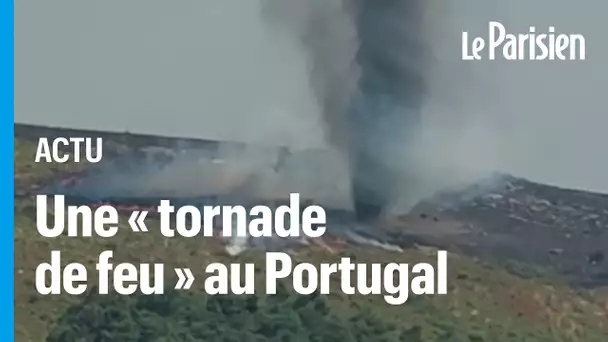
(188, 317)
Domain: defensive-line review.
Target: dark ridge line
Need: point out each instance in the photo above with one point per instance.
(32, 132)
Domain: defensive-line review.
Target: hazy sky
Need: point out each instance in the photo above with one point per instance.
(214, 69)
(544, 120)
(186, 68)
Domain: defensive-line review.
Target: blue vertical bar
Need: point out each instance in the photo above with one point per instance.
(7, 305)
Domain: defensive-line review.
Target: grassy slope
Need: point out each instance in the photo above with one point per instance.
(484, 299)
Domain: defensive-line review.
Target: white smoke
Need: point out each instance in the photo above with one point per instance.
(265, 72)
(541, 120)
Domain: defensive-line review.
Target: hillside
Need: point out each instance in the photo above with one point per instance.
(496, 294)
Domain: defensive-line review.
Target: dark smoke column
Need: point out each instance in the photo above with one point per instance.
(386, 111)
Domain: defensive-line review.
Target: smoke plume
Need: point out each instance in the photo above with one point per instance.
(543, 120)
(384, 77)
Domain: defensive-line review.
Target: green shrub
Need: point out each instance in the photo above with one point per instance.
(183, 317)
